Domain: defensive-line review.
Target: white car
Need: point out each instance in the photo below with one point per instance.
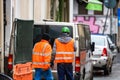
(103, 55)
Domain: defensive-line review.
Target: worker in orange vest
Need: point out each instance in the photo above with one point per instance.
(63, 50)
(41, 58)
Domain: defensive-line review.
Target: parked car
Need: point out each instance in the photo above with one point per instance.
(103, 55)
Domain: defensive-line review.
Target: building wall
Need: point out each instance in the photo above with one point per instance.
(96, 23)
(31, 9)
(1, 37)
(96, 19)
(23, 9)
(1, 22)
(41, 9)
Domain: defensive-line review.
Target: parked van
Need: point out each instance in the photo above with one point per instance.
(25, 35)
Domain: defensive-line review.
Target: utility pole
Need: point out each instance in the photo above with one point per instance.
(110, 4)
(111, 23)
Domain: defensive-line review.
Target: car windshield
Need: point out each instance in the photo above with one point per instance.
(99, 41)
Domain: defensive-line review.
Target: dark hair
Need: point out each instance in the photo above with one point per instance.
(46, 36)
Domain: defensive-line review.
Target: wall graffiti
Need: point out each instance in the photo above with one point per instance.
(96, 24)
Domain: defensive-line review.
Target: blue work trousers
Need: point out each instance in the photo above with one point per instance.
(65, 70)
(40, 73)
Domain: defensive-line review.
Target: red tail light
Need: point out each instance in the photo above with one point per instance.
(10, 61)
(104, 53)
(77, 64)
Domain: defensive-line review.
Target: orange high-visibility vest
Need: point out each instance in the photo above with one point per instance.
(41, 55)
(64, 52)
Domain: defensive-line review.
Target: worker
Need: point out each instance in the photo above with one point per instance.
(41, 58)
(63, 50)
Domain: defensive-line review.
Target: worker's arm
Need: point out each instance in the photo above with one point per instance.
(53, 55)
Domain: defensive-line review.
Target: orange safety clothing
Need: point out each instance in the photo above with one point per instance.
(42, 54)
(64, 52)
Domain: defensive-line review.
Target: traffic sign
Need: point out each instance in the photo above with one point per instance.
(110, 3)
(94, 5)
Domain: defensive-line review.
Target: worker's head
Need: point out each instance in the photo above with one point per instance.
(46, 36)
(65, 30)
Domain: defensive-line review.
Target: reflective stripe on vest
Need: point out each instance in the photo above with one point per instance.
(64, 52)
(41, 54)
(41, 63)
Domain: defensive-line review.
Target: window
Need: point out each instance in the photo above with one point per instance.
(37, 33)
(99, 41)
(53, 30)
(87, 36)
(82, 41)
(81, 8)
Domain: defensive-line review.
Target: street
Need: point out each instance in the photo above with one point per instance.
(115, 75)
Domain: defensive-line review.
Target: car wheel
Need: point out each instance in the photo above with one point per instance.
(110, 68)
(106, 71)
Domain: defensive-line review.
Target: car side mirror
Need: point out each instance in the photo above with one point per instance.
(112, 47)
(92, 46)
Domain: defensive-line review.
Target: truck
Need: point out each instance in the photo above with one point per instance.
(25, 33)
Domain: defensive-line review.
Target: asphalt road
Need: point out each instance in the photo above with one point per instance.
(115, 75)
